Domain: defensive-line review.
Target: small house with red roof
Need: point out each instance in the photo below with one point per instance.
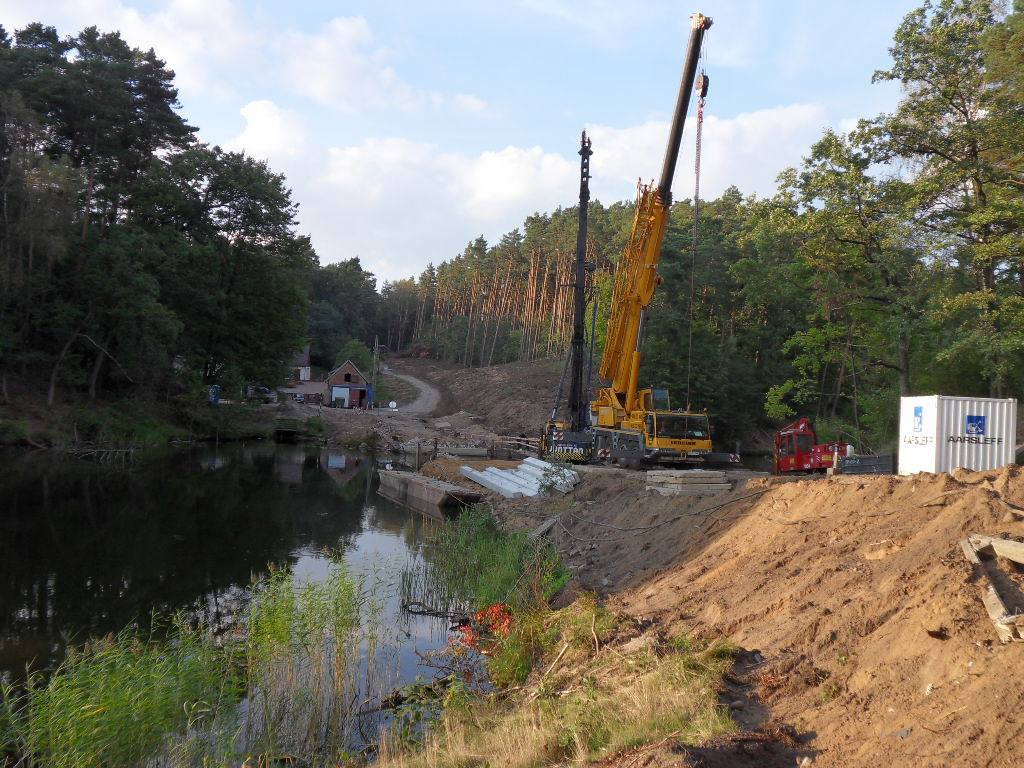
(347, 387)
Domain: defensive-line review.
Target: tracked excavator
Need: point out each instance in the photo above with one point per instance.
(627, 425)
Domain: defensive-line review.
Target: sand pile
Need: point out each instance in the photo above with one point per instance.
(875, 643)
(869, 617)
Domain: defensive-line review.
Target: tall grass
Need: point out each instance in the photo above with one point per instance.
(134, 424)
(567, 695)
(303, 661)
(113, 702)
(288, 686)
(475, 563)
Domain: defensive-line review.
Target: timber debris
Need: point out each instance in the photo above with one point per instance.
(1003, 598)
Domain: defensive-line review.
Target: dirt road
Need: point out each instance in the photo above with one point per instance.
(426, 401)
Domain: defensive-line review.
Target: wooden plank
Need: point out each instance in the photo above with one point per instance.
(997, 612)
(970, 552)
(1005, 623)
(1008, 548)
(543, 528)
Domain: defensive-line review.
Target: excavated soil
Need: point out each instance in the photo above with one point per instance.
(511, 399)
(853, 591)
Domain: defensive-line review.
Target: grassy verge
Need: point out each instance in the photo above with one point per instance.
(297, 685)
(129, 423)
(565, 686)
(15, 432)
(122, 426)
(586, 697)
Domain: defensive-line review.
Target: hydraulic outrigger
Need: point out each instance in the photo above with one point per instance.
(626, 424)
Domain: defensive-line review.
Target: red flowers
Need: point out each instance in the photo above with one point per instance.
(497, 619)
(493, 621)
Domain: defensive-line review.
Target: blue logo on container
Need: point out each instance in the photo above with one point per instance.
(975, 425)
(918, 418)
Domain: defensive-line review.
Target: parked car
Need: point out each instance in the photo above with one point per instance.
(300, 398)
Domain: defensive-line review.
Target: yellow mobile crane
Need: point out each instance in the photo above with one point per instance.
(631, 426)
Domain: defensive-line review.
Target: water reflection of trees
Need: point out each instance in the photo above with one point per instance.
(88, 549)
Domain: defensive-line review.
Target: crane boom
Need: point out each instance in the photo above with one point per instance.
(637, 276)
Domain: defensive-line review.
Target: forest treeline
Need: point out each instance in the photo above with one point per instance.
(890, 262)
(134, 257)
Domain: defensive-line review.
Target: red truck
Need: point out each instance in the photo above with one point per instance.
(797, 449)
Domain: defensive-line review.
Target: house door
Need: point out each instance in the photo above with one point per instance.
(340, 393)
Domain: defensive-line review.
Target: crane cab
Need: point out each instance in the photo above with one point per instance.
(797, 449)
(658, 435)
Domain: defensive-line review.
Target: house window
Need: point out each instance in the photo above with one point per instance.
(348, 377)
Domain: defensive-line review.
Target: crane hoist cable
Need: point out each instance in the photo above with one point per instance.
(702, 91)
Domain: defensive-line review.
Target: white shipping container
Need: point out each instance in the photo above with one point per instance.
(940, 434)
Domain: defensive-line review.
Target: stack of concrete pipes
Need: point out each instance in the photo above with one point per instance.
(531, 478)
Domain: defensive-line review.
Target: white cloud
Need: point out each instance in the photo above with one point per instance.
(507, 184)
(212, 45)
(602, 20)
(468, 103)
(747, 151)
(616, 25)
(339, 67)
(847, 125)
(270, 133)
(342, 67)
(399, 203)
(750, 149)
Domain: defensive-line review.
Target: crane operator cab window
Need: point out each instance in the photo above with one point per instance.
(784, 445)
(804, 443)
(649, 425)
(683, 427)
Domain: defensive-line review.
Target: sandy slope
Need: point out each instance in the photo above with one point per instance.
(510, 399)
(876, 646)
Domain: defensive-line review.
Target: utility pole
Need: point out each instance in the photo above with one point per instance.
(376, 348)
(579, 407)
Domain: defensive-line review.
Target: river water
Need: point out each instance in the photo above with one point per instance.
(88, 549)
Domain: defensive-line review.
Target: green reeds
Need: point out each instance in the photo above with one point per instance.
(302, 651)
(113, 702)
(289, 686)
(475, 563)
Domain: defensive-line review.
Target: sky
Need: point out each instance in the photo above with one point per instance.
(406, 129)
